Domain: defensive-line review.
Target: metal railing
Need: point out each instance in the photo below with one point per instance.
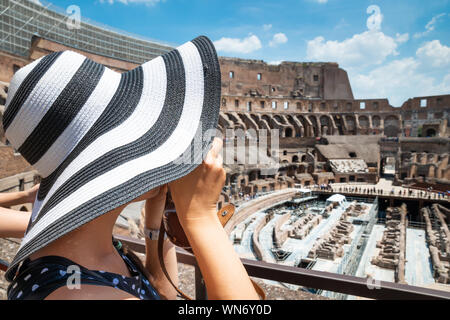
(345, 284)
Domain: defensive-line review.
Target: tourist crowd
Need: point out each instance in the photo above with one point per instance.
(429, 193)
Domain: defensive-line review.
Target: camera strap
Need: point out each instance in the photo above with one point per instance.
(224, 216)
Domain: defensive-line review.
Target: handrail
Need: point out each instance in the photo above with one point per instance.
(346, 284)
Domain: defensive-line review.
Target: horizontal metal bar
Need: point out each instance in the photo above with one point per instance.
(139, 246)
(346, 284)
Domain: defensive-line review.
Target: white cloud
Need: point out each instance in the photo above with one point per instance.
(398, 80)
(373, 75)
(36, 2)
(267, 27)
(368, 48)
(434, 54)
(235, 45)
(278, 38)
(126, 2)
(401, 38)
(431, 25)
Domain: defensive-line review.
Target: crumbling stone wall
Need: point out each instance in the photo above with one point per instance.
(280, 236)
(304, 101)
(330, 246)
(303, 226)
(424, 160)
(298, 229)
(438, 237)
(257, 247)
(327, 211)
(256, 78)
(240, 229)
(393, 243)
(355, 209)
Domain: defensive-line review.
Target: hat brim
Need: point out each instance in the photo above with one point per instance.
(170, 135)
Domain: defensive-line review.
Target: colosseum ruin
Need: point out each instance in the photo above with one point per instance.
(351, 186)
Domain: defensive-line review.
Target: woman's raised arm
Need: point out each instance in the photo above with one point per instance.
(195, 197)
(8, 199)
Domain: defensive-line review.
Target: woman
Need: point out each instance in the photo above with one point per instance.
(101, 140)
(195, 197)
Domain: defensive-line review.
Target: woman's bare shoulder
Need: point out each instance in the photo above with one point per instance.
(90, 292)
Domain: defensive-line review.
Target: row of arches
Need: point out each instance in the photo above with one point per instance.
(304, 125)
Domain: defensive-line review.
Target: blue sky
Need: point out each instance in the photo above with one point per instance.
(391, 49)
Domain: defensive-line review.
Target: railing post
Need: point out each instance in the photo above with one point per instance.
(200, 288)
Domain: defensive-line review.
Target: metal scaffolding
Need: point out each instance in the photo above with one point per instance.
(20, 20)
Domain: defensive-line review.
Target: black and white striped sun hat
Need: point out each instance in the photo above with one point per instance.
(100, 139)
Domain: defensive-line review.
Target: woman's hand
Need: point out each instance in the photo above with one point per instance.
(8, 199)
(195, 197)
(31, 193)
(196, 194)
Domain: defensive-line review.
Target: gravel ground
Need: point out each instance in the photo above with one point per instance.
(8, 248)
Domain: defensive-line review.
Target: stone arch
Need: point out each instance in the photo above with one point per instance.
(253, 175)
(234, 179)
(351, 124)
(291, 170)
(306, 127)
(267, 122)
(364, 122)
(225, 122)
(376, 121)
(301, 168)
(238, 124)
(314, 122)
(288, 132)
(279, 119)
(267, 118)
(297, 125)
(248, 121)
(391, 126)
(430, 132)
(326, 126)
